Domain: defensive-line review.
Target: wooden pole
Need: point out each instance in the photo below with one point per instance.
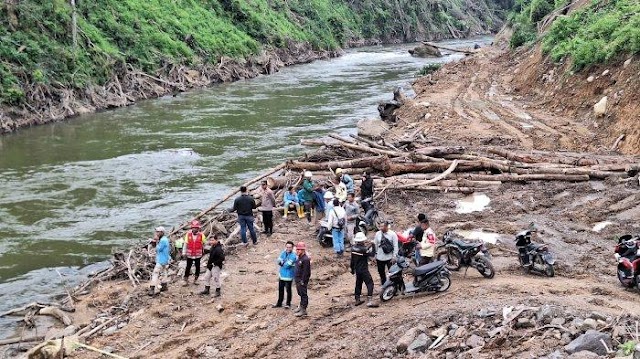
(74, 25)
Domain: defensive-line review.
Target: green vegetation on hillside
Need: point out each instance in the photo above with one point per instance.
(36, 46)
(597, 33)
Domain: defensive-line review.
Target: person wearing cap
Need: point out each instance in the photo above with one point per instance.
(287, 263)
(306, 195)
(161, 270)
(384, 255)
(427, 245)
(214, 266)
(366, 188)
(291, 199)
(337, 214)
(266, 206)
(302, 276)
(352, 210)
(346, 179)
(244, 205)
(193, 250)
(360, 255)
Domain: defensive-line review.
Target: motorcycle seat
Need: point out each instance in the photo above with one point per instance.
(463, 244)
(428, 268)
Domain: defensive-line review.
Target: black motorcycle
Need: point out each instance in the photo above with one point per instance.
(433, 277)
(369, 220)
(534, 257)
(458, 253)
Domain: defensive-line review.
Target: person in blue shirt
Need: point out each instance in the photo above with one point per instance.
(161, 270)
(291, 200)
(346, 179)
(287, 263)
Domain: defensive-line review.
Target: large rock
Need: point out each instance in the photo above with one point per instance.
(590, 341)
(547, 313)
(584, 355)
(600, 109)
(406, 340)
(372, 128)
(420, 344)
(475, 341)
(425, 51)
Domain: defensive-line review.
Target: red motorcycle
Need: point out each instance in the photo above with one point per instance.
(627, 255)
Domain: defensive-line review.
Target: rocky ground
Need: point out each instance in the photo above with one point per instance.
(514, 315)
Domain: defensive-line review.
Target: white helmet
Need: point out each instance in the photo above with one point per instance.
(160, 229)
(360, 237)
(307, 174)
(328, 195)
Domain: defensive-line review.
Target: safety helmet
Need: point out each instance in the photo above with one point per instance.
(160, 229)
(360, 237)
(301, 245)
(195, 224)
(308, 174)
(328, 195)
(339, 171)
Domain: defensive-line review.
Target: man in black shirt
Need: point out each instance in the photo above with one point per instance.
(302, 276)
(418, 232)
(244, 205)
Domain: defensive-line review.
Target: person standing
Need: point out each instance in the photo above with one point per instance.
(386, 244)
(347, 180)
(306, 195)
(416, 235)
(352, 210)
(291, 199)
(427, 246)
(302, 276)
(341, 191)
(161, 270)
(360, 255)
(337, 221)
(244, 205)
(193, 250)
(214, 267)
(267, 204)
(366, 188)
(287, 263)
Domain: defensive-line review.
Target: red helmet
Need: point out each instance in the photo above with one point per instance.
(301, 245)
(195, 224)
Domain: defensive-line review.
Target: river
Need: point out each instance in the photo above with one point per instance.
(70, 192)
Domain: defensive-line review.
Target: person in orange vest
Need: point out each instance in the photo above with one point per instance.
(193, 250)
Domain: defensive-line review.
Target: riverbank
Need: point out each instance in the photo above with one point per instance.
(465, 104)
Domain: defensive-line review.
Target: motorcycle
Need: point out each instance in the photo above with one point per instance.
(369, 220)
(534, 257)
(324, 236)
(457, 253)
(433, 277)
(627, 254)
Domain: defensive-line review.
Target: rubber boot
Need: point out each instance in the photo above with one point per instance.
(152, 291)
(163, 287)
(286, 212)
(302, 312)
(205, 291)
(300, 212)
(359, 301)
(370, 303)
(217, 292)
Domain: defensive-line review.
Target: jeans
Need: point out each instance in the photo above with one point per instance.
(282, 285)
(190, 262)
(338, 240)
(382, 269)
(247, 221)
(267, 219)
(368, 281)
(304, 297)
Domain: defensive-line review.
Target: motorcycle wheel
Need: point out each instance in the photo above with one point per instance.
(549, 271)
(388, 293)
(445, 283)
(621, 278)
(487, 268)
(453, 258)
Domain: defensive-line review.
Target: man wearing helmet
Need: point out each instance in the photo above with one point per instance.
(193, 250)
(302, 276)
(360, 255)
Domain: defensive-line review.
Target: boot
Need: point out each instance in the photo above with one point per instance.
(359, 301)
(286, 212)
(217, 292)
(195, 280)
(302, 312)
(300, 212)
(163, 287)
(370, 303)
(205, 291)
(152, 291)
(298, 309)
(185, 282)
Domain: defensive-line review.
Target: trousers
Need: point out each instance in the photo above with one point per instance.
(212, 277)
(190, 262)
(160, 275)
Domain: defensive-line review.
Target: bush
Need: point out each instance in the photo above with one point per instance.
(429, 69)
(539, 9)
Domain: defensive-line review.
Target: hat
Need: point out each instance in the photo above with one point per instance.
(195, 224)
(307, 174)
(339, 171)
(360, 237)
(328, 195)
(160, 229)
(301, 245)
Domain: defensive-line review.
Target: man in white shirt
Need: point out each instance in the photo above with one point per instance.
(386, 244)
(337, 221)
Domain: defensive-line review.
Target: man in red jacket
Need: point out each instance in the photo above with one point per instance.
(193, 249)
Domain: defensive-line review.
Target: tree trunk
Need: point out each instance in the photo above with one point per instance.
(320, 166)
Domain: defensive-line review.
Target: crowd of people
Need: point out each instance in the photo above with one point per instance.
(337, 211)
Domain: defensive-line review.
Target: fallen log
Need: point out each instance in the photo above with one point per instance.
(409, 183)
(37, 338)
(348, 144)
(282, 181)
(504, 177)
(56, 313)
(23, 308)
(369, 142)
(320, 166)
(441, 151)
(468, 52)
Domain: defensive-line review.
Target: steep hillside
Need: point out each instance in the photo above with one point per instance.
(56, 62)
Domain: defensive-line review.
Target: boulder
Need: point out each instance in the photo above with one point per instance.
(372, 128)
(590, 78)
(406, 340)
(475, 341)
(600, 108)
(420, 344)
(583, 355)
(587, 324)
(558, 321)
(439, 332)
(425, 51)
(524, 323)
(598, 316)
(546, 313)
(590, 341)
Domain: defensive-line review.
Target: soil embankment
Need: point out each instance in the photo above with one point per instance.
(471, 104)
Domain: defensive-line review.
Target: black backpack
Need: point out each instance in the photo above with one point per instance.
(386, 245)
(341, 221)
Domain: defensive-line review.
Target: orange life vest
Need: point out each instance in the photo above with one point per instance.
(195, 245)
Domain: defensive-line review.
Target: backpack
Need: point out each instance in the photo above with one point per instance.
(386, 245)
(341, 221)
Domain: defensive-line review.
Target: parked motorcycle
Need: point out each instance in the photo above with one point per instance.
(627, 253)
(457, 253)
(369, 220)
(433, 277)
(534, 257)
(324, 236)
